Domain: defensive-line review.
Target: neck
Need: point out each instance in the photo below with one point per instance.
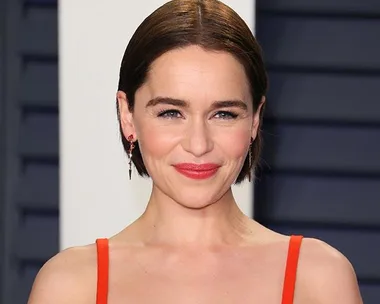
(166, 222)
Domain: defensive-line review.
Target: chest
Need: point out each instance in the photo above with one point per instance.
(191, 281)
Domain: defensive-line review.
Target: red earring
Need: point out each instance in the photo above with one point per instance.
(131, 147)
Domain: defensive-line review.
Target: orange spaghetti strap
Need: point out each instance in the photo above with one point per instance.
(103, 263)
(291, 269)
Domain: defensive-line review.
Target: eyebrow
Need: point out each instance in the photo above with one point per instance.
(235, 103)
(167, 101)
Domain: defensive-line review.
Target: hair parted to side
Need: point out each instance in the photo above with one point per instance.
(209, 24)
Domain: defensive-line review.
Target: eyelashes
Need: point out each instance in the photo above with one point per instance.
(169, 114)
(226, 115)
(172, 114)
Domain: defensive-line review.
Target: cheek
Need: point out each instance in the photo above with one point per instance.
(235, 144)
(157, 142)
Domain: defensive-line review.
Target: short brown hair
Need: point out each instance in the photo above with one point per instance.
(209, 24)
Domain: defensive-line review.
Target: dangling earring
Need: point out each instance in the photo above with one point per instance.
(131, 147)
(250, 161)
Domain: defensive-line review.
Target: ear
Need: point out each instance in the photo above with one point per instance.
(256, 118)
(125, 115)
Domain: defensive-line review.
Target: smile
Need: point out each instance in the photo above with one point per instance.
(197, 171)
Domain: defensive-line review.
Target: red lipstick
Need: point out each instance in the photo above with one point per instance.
(197, 171)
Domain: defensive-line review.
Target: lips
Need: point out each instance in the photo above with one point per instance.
(197, 171)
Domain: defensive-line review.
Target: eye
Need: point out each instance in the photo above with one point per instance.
(169, 114)
(226, 115)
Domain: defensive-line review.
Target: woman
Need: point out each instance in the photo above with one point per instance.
(190, 103)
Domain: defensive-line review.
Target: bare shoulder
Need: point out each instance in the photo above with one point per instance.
(68, 277)
(325, 275)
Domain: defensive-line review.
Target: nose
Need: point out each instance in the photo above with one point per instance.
(197, 139)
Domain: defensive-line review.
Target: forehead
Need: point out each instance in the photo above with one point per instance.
(193, 73)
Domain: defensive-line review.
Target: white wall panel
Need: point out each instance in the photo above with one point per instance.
(96, 197)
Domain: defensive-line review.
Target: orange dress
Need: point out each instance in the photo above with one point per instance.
(289, 279)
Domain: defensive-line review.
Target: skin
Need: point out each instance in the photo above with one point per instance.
(193, 244)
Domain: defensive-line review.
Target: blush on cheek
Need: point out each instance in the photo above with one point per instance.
(236, 144)
(157, 143)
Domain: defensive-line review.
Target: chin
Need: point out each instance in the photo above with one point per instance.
(197, 199)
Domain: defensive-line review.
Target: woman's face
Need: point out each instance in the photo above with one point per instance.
(194, 120)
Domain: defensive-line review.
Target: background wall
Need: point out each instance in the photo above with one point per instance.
(28, 143)
(322, 127)
(322, 130)
(96, 197)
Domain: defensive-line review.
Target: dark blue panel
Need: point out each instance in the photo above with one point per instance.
(323, 97)
(39, 136)
(321, 6)
(39, 34)
(37, 241)
(322, 43)
(31, 41)
(370, 293)
(322, 127)
(39, 83)
(319, 199)
(322, 148)
(23, 287)
(40, 2)
(37, 237)
(361, 247)
(38, 188)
